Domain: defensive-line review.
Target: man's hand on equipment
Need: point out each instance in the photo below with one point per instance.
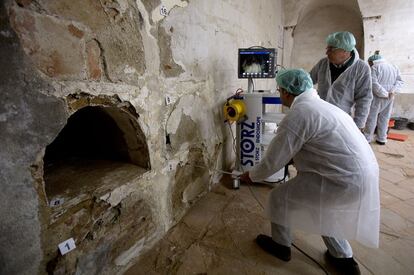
(246, 178)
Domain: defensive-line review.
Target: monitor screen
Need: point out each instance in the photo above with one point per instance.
(257, 63)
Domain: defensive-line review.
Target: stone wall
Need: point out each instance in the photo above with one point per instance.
(404, 106)
(389, 27)
(125, 59)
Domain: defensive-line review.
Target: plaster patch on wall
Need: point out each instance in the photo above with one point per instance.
(130, 254)
(195, 188)
(139, 96)
(150, 5)
(169, 5)
(160, 185)
(152, 58)
(190, 181)
(125, 92)
(129, 70)
(117, 195)
(123, 5)
(200, 115)
(179, 44)
(185, 106)
(174, 120)
(187, 124)
(167, 63)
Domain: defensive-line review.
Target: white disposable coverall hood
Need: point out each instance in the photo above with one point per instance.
(335, 192)
(351, 89)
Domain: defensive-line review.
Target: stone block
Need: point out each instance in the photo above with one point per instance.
(55, 46)
(88, 13)
(116, 26)
(123, 52)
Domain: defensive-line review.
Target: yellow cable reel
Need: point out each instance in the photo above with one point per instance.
(234, 110)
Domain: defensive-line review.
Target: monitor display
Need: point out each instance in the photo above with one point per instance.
(257, 63)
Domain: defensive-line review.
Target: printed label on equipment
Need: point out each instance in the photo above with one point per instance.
(247, 143)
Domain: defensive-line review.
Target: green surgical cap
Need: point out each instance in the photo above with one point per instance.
(342, 40)
(295, 81)
(374, 57)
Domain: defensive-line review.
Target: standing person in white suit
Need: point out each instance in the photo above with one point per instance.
(386, 82)
(335, 193)
(343, 78)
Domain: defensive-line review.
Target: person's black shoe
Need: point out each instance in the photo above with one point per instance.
(270, 246)
(346, 266)
(380, 142)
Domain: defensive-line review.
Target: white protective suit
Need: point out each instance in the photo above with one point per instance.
(351, 89)
(335, 192)
(386, 79)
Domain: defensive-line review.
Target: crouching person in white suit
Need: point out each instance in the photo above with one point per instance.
(335, 193)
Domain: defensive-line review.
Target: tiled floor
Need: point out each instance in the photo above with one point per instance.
(216, 236)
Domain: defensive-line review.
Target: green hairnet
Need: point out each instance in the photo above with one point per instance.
(342, 40)
(374, 57)
(295, 81)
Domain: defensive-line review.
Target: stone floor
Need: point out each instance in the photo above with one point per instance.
(217, 235)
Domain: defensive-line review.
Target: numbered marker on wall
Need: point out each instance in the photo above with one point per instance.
(56, 202)
(66, 246)
(163, 11)
(168, 100)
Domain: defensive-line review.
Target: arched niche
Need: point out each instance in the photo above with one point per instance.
(316, 22)
(100, 148)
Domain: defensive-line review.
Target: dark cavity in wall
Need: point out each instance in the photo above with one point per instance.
(100, 147)
(89, 134)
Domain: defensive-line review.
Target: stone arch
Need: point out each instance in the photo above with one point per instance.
(315, 20)
(101, 146)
